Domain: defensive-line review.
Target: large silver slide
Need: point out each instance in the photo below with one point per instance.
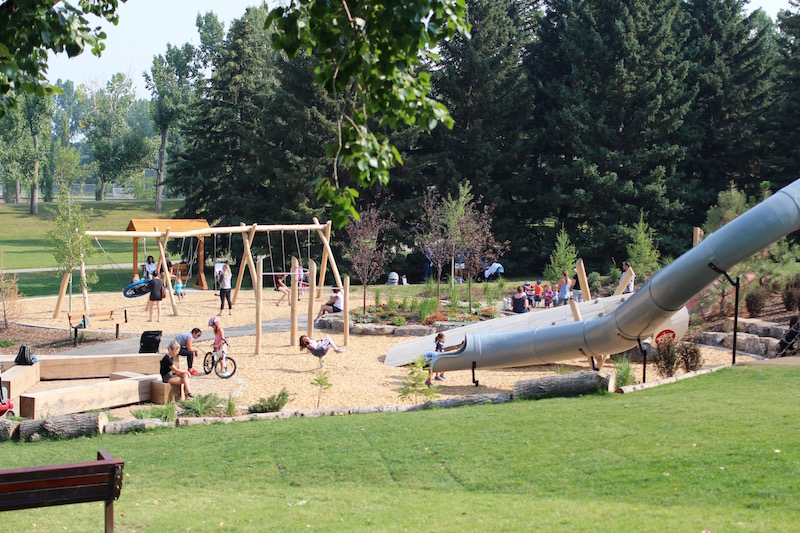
(640, 315)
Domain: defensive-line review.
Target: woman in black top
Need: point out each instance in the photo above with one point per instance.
(170, 373)
(156, 295)
(519, 301)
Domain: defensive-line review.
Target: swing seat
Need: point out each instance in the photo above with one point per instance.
(136, 289)
(319, 352)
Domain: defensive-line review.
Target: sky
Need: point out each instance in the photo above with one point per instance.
(146, 26)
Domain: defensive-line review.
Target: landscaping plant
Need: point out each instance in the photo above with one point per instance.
(413, 385)
(624, 371)
(322, 383)
(273, 404)
(755, 301)
(667, 360)
(200, 405)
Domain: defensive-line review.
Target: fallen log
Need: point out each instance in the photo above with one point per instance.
(458, 401)
(128, 426)
(8, 429)
(76, 425)
(566, 385)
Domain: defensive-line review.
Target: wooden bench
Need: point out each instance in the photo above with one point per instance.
(43, 486)
(179, 271)
(79, 319)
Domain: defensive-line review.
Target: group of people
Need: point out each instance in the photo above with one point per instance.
(183, 346)
(529, 295)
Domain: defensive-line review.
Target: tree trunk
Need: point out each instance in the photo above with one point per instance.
(17, 192)
(35, 179)
(77, 425)
(458, 401)
(101, 194)
(162, 155)
(128, 426)
(8, 429)
(567, 385)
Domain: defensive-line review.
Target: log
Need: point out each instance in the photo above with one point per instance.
(84, 424)
(566, 385)
(9, 429)
(128, 426)
(458, 401)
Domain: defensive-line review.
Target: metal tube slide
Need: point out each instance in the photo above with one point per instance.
(639, 316)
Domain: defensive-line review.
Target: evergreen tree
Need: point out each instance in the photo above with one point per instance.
(643, 254)
(563, 257)
(610, 97)
(218, 168)
(785, 117)
(732, 58)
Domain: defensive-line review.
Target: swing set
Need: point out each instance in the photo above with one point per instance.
(201, 230)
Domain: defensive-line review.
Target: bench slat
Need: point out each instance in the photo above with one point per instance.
(59, 496)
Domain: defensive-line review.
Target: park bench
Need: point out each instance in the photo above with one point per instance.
(43, 486)
(80, 319)
(179, 271)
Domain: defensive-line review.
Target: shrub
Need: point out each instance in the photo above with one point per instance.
(6, 343)
(595, 283)
(791, 298)
(690, 357)
(666, 359)
(230, 405)
(755, 302)
(377, 297)
(427, 307)
(200, 405)
(413, 385)
(273, 404)
(405, 305)
(624, 372)
(489, 312)
(398, 321)
(322, 383)
(162, 412)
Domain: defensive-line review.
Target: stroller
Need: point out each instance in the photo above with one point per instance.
(790, 342)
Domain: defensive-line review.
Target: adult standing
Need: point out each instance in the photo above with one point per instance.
(185, 341)
(224, 280)
(172, 374)
(156, 295)
(563, 288)
(577, 295)
(625, 268)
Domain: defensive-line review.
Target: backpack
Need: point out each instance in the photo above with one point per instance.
(25, 356)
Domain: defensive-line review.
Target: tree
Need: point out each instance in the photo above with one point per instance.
(367, 252)
(14, 153)
(66, 239)
(563, 257)
(28, 30)
(642, 251)
(785, 115)
(170, 83)
(9, 296)
(478, 243)
(453, 212)
(431, 234)
(37, 112)
(732, 64)
(610, 99)
(369, 53)
(120, 151)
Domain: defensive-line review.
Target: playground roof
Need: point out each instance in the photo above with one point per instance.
(174, 224)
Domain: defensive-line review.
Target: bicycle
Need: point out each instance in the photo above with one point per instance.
(218, 361)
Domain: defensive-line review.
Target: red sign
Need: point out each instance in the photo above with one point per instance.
(665, 336)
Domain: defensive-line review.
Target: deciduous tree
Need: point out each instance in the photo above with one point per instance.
(365, 249)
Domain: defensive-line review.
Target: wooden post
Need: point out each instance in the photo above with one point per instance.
(293, 303)
(200, 280)
(257, 288)
(247, 238)
(624, 282)
(61, 293)
(697, 236)
(329, 254)
(312, 286)
(83, 285)
(346, 309)
(135, 257)
(324, 264)
(583, 280)
(162, 267)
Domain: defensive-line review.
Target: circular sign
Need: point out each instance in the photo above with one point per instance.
(665, 336)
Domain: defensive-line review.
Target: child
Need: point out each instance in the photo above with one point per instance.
(548, 296)
(318, 348)
(429, 356)
(179, 289)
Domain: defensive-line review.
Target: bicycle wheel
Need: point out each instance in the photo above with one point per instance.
(208, 363)
(225, 367)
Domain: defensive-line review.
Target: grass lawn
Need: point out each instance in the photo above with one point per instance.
(718, 452)
(24, 236)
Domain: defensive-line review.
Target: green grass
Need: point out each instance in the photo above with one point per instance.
(24, 236)
(698, 455)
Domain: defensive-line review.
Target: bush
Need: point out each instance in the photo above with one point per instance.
(755, 302)
(624, 372)
(273, 404)
(427, 307)
(690, 357)
(200, 405)
(791, 298)
(398, 321)
(666, 359)
(595, 283)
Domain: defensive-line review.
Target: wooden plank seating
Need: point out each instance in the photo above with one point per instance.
(179, 271)
(79, 319)
(43, 486)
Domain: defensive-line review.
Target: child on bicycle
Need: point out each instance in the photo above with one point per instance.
(220, 345)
